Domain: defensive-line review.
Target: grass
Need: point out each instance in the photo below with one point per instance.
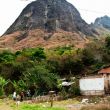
(0, 102)
(57, 105)
(34, 107)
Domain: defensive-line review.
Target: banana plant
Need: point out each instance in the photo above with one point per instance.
(3, 82)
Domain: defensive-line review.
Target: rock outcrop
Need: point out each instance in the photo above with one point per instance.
(51, 15)
(102, 25)
(102, 22)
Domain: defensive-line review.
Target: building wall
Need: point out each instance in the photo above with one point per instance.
(92, 86)
(107, 82)
(89, 93)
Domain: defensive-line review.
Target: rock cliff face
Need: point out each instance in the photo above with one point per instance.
(102, 26)
(103, 22)
(50, 15)
(49, 24)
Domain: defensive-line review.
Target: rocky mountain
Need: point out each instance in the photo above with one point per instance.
(102, 25)
(103, 22)
(50, 17)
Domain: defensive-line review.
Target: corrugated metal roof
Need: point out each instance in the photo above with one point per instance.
(67, 83)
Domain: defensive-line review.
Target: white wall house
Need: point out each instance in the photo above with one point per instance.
(92, 86)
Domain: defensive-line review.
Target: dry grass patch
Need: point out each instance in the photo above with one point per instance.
(97, 107)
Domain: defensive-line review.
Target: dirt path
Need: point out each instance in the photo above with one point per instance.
(74, 107)
(5, 107)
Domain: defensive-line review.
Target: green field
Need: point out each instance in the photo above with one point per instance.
(58, 105)
(36, 107)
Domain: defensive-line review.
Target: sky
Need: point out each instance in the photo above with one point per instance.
(89, 10)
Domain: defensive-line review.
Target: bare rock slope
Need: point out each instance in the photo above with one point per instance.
(52, 17)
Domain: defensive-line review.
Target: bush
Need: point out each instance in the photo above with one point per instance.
(40, 77)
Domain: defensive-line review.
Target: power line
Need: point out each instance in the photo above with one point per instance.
(93, 11)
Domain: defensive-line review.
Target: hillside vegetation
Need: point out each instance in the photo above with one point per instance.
(43, 69)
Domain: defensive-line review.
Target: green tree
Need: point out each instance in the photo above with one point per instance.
(87, 57)
(39, 54)
(12, 70)
(40, 77)
(3, 82)
(106, 50)
(7, 56)
(107, 42)
(72, 66)
(20, 85)
(35, 54)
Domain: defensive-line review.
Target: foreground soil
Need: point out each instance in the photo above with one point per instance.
(71, 104)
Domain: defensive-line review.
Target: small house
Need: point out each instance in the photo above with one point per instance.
(105, 73)
(96, 85)
(92, 86)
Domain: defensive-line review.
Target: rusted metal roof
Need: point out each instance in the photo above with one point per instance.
(104, 70)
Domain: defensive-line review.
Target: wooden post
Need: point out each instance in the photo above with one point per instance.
(51, 93)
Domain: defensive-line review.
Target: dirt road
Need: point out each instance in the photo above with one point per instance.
(5, 107)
